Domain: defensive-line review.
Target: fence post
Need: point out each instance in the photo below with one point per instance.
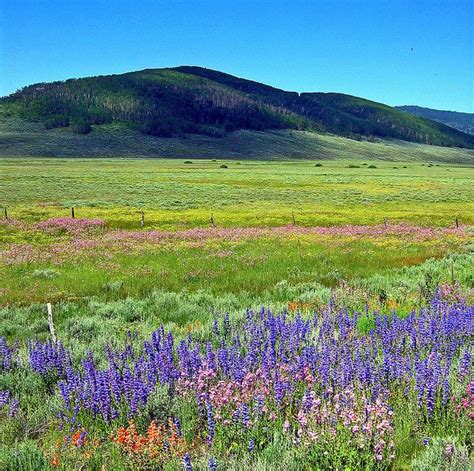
(293, 218)
(213, 222)
(457, 222)
(142, 219)
(50, 322)
(72, 213)
(5, 212)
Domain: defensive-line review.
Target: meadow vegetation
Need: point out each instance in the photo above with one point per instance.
(273, 315)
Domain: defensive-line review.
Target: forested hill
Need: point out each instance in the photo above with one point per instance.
(194, 100)
(461, 121)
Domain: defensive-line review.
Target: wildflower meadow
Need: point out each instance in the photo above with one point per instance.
(280, 316)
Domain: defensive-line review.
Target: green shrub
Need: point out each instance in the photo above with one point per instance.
(318, 165)
(353, 166)
(81, 126)
(113, 286)
(46, 273)
(40, 326)
(224, 166)
(127, 310)
(56, 121)
(162, 128)
(372, 166)
(83, 330)
(26, 456)
(443, 454)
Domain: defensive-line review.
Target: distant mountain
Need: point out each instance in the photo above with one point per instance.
(193, 100)
(461, 121)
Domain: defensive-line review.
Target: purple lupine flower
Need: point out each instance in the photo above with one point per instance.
(226, 325)
(307, 401)
(177, 424)
(446, 391)
(291, 357)
(430, 400)
(278, 389)
(251, 444)
(245, 415)
(258, 405)
(236, 416)
(6, 355)
(4, 397)
(465, 363)
(48, 357)
(187, 462)
(210, 357)
(210, 423)
(212, 464)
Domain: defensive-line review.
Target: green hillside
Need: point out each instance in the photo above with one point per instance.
(461, 121)
(21, 138)
(176, 103)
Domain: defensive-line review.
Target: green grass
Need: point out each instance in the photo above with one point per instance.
(177, 195)
(252, 267)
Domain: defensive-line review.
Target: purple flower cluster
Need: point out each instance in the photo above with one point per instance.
(270, 359)
(315, 375)
(4, 397)
(49, 357)
(8, 360)
(7, 355)
(7, 400)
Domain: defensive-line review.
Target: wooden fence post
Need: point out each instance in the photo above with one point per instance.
(213, 222)
(5, 212)
(457, 222)
(142, 219)
(72, 213)
(293, 218)
(50, 322)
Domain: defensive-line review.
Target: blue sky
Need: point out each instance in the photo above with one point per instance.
(395, 52)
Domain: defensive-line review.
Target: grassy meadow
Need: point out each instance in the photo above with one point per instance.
(175, 194)
(352, 253)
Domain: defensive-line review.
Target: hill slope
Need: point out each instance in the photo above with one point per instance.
(20, 138)
(192, 100)
(461, 121)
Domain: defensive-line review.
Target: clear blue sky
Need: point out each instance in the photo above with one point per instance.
(396, 52)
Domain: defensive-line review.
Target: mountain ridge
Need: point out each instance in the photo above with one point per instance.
(175, 102)
(459, 120)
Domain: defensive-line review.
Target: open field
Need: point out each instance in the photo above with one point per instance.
(177, 195)
(356, 352)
